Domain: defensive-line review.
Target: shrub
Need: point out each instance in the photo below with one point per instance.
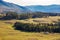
(36, 27)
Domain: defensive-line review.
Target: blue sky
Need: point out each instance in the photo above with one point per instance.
(34, 2)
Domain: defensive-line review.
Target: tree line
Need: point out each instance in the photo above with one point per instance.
(14, 15)
(30, 27)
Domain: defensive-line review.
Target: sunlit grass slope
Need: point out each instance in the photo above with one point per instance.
(8, 33)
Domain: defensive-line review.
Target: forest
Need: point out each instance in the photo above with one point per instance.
(14, 15)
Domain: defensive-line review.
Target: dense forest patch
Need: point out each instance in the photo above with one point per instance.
(30, 27)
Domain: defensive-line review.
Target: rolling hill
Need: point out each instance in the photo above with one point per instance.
(49, 8)
(7, 32)
(5, 7)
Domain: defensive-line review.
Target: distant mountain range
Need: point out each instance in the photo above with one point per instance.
(49, 8)
(5, 7)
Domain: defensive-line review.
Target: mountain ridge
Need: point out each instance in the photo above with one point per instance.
(5, 7)
(46, 8)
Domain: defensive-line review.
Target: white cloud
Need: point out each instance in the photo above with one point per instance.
(34, 2)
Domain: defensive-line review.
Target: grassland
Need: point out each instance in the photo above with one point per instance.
(8, 33)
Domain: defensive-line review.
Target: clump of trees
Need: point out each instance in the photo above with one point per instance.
(9, 15)
(27, 27)
(37, 27)
(14, 15)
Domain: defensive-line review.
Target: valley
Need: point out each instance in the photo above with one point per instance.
(35, 22)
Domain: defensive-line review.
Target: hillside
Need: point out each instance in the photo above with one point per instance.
(29, 22)
(6, 7)
(8, 33)
(50, 19)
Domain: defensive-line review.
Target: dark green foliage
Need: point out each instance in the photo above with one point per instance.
(37, 27)
(26, 16)
(14, 15)
(10, 15)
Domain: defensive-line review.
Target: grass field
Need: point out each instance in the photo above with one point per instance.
(8, 33)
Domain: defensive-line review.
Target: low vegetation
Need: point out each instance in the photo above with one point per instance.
(41, 26)
(8, 33)
(52, 28)
(14, 15)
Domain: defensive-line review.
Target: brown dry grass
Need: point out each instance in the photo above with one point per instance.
(8, 33)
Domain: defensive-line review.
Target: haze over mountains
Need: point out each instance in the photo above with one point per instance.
(49, 8)
(5, 7)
